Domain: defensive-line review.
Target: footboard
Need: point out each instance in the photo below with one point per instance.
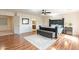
(48, 30)
(45, 33)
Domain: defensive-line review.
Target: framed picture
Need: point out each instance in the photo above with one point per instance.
(25, 20)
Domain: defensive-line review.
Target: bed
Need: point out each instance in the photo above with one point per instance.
(53, 30)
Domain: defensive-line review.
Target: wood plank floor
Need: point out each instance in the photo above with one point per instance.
(16, 42)
(66, 42)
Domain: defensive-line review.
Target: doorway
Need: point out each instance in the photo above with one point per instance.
(6, 25)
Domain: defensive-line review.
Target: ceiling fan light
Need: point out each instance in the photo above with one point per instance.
(54, 14)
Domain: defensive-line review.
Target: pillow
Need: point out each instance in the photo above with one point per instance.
(53, 26)
(59, 26)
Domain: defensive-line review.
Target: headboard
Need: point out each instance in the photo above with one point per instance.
(56, 21)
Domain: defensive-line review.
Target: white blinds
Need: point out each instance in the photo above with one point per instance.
(3, 21)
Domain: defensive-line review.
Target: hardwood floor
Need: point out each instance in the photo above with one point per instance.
(16, 42)
(66, 42)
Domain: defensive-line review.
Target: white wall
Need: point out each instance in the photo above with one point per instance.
(71, 18)
(22, 28)
(17, 20)
(75, 23)
(16, 24)
(46, 20)
(25, 27)
(7, 13)
(56, 16)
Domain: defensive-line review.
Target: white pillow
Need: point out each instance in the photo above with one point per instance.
(59, 26)
(53, 26)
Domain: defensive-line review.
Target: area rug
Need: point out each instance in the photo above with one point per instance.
(40, 42)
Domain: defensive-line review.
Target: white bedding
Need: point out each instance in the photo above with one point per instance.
(60, 28)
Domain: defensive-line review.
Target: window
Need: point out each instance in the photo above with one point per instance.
(3, 21)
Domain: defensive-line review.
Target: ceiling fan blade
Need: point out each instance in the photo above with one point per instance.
(45, 12)
(48, 12)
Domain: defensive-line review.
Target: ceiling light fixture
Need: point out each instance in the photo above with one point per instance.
(53, 14)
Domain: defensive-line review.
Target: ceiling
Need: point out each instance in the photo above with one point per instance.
(39, 11)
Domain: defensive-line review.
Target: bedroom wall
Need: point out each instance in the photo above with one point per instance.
(67, 18)
(75, 23)
(70, 18)
(22, 28)
(45, 20)
(16, 25)
(7, 13)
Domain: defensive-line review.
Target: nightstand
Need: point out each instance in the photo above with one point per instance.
(68, 30)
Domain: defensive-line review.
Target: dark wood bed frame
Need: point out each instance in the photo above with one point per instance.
(44, 30)
(56, 21)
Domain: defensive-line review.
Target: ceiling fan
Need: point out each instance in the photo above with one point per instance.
(45, 12)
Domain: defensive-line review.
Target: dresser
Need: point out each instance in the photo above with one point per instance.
(34, 26)
(68, 30)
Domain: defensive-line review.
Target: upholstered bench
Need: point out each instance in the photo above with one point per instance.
(47, 34)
